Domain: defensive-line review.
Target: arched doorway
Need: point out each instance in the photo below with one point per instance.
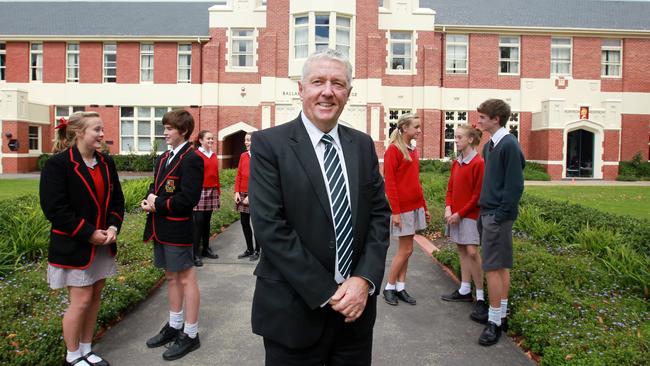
(233, 147)
(580, 154)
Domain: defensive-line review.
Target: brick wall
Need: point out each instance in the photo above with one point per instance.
(91, 62)
(635, 129)
(586, 58)
(17, 62)
(128, 62)
(536, 57)
(636, 58)
(548, 145)
(54, 62)
(165, 61)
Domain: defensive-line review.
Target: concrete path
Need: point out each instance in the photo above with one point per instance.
(431, 333)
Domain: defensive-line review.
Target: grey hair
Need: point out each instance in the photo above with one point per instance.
(328, 54)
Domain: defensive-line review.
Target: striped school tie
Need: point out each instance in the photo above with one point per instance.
(340, 206)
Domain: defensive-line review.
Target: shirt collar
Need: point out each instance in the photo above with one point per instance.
(178, 148)
(466, 159)
(205, 152)
(501, 133)
(315, 135)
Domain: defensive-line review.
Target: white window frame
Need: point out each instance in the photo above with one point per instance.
(71, 66)
(136, 119)
(452, 119)
(295, 63)
(30, 138)
(451, 63)
(69, 110)
(513, 124)
(411, 70)
(146, 53)
(3, 63)
(557, 61)
(106, 64)
(184, 53)
(36, 70)
(232, 52)
(392, 115)
(605, 64)
(511, 60)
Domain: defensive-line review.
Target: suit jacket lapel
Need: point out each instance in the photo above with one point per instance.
(304, 150)
(350, 152)
(82, 171)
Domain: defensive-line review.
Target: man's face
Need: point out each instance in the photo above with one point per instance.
(485, 123)
(324, 92)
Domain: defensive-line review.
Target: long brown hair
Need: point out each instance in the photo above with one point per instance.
(396, 137)
(201, 135)
(66, 132)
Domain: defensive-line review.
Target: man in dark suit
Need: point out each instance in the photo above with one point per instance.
(320, 214)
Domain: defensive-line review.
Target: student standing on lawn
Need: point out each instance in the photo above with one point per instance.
(503, 184)
(409, 210)
(241, 201)
(209, 197)
(81, 196)
(178, 177)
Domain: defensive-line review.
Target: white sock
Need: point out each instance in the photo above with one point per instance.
(504, 308)
(494, 316)
(85, 349)
(480, 295)
(465, 288)
(176, 319)
(400, 286)
(191, 329)
(390, 286)
(71, 356)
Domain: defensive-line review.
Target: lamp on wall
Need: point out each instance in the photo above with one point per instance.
(243, 91)
(8, 135)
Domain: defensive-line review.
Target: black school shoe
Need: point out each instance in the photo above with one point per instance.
(457, 297)
(75, 361)
(166, 335)
(182, 346)
(390, 296)
(198, 262)
(245, 254)
(490, 335)
(404, 296)
(255, 256)
(102, 362)
(480, 312)
(208, 253)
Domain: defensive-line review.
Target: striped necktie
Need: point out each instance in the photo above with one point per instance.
(169, 158)
(491, 145)
(342, 215)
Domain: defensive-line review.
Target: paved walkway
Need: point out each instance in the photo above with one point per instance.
(431, 333)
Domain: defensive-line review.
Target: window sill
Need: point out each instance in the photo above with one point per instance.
(242, 69)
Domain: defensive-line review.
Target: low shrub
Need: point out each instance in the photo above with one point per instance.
(435, 166)
(635, 169)
(24, 232)
(42, 159)
(135, 163)
(535, 171)
(134, 192)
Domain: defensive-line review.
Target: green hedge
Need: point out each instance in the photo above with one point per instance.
(30, 312)
(636, 169)
(535, 171)
(579, 284)
(123, 163)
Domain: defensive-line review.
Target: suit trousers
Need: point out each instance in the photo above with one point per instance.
(339, 345)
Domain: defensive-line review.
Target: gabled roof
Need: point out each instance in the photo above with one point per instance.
(584, 14)
(121, 19)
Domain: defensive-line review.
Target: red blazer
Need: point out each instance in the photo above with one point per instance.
(243, 172)
(69, 201)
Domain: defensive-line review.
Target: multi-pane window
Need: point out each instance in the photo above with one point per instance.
(318, 31)
(453, 119)
(560, 56)
(72, 63)
(393, 117)
(64, 111)
(184, 63)
(400, 50)
(611, 52)
(146, 62)
(513, 124)
(457, 51)
(3, 58)
(110, 62)
(36, 62)
(242, 48)
(141, 129)
(509, 55)
(34, 138)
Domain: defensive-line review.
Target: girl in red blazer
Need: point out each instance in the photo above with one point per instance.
(241, 201)
(461, 213)
(81, 196)
(210, 193)
(409, 210)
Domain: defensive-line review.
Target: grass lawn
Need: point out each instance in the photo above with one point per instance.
(633, 201)
(15, 187)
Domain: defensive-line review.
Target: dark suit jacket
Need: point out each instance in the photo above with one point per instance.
(69, 202)
(292, 221)
(178, 187)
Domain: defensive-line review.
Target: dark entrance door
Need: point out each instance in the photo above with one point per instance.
(233, 145)
(580, 154)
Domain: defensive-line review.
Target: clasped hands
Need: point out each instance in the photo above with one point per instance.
(350, 298)
(149, 204)
(451, 219)
(104, 237)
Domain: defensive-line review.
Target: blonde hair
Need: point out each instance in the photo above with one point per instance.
(396, 137)
(66, 134)
(472, 132)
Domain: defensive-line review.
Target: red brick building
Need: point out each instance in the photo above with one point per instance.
(574, 72)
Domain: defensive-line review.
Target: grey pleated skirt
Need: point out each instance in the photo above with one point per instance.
(411, 221)
(103, 266)
(464, 233)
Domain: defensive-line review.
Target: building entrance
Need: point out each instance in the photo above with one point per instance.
(580, 154)
(233, 146)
